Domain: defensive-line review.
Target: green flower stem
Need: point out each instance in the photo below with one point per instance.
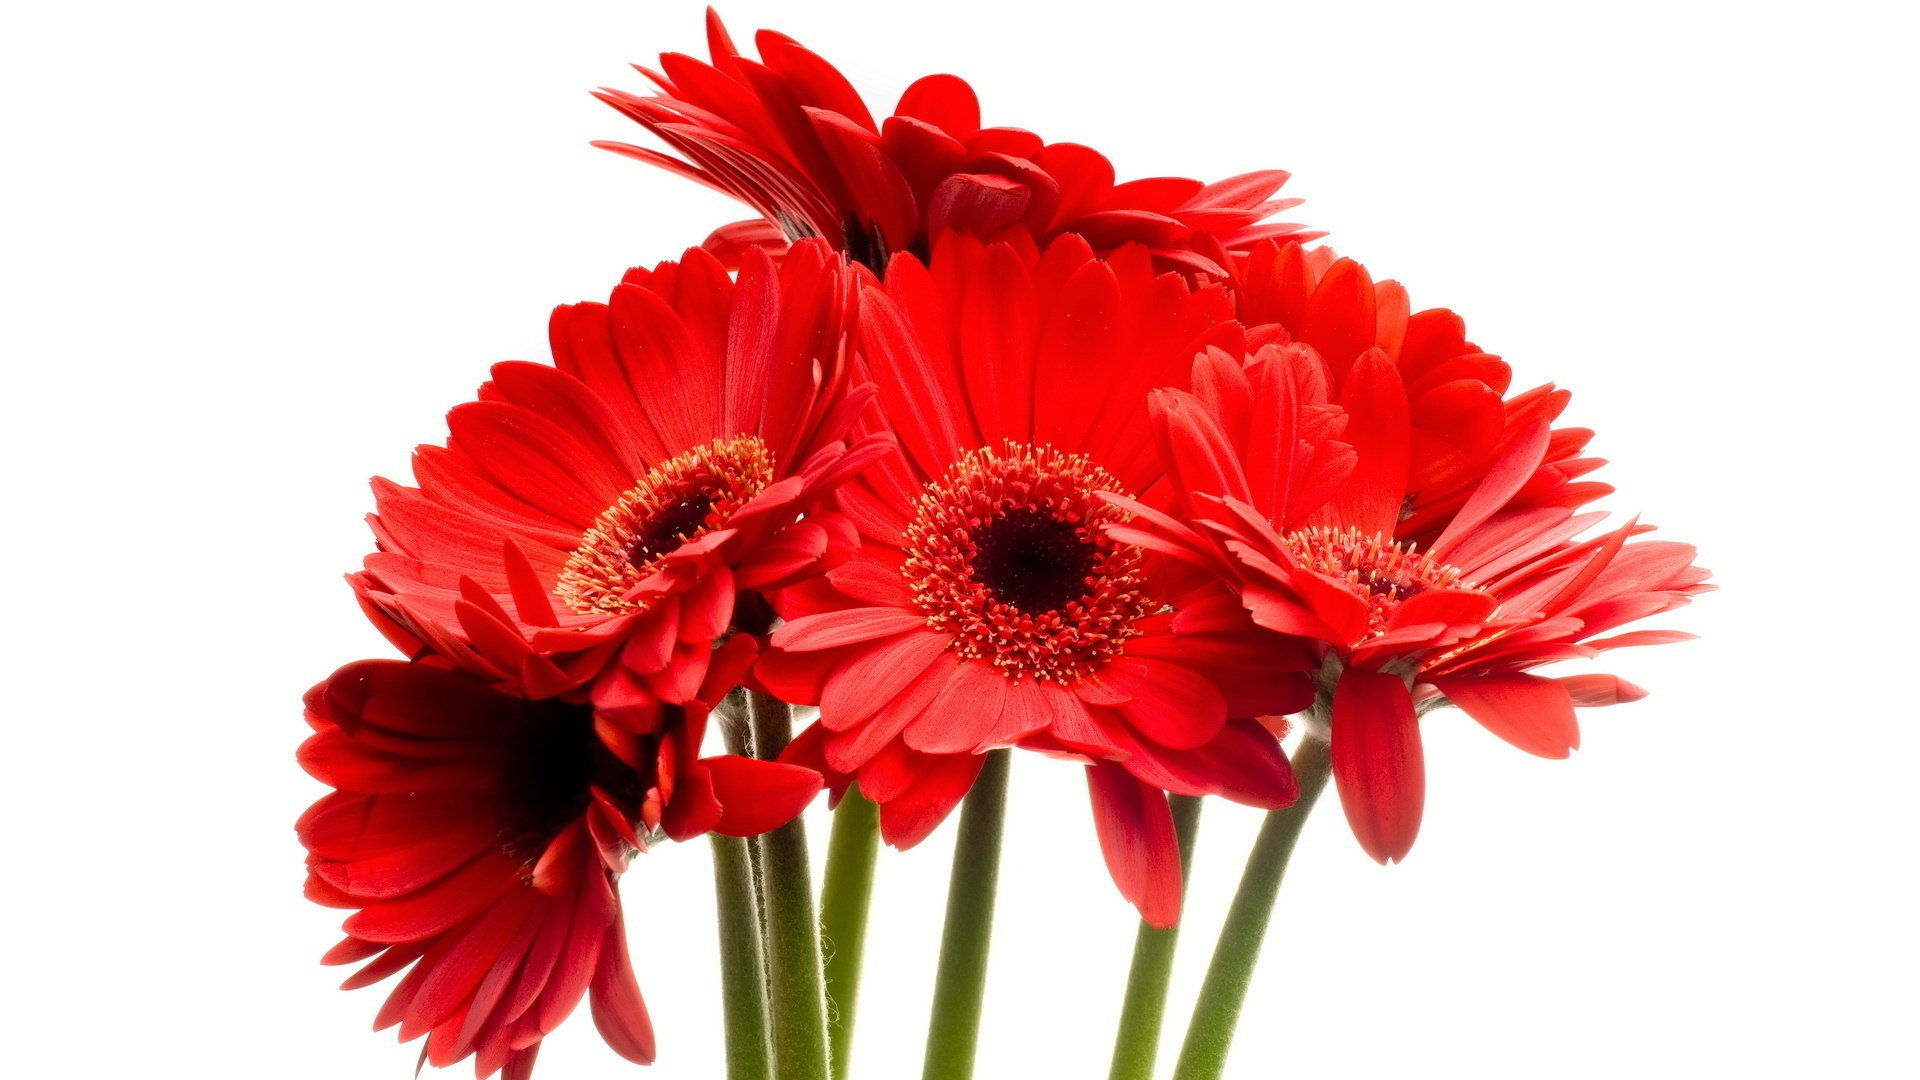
(743, 957)
(796, 984)
(852, 849)
(953, 1032)
(743, 978)
(1203, 1056)
(1145, 1006)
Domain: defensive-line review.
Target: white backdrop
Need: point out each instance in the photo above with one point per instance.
(252, 252)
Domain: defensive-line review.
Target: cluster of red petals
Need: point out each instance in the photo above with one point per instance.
(1428, 439)
(479, 836)
(1291, 469)
(1117, 473)
(986, 607)
(588, 526)
(789, 136)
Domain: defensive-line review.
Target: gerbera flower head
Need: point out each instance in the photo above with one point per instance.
(990, 605)
(788, 135)
(589, 527)
(479, 837)
(1451, 411)
(1287, 496)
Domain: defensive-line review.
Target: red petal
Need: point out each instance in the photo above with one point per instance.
(457, 966)
(1137, 838)
(573, 971)
(908, 817)
(835, 628)
(945, 101)
(977, 203)
(618, 1010)
(1588, 691)
(1504, 479)
(1028, 707)
(798, 677)
(756, 796)
(1377, 429)
(691, 807)
(1532, 713)
(1194, 446)
(1377, 762)
(403, 869)
(870, 679)
(435, 908)
(855, 748)
(963, 714)
(520, 1064)
(1172, 705)
(1340, 320)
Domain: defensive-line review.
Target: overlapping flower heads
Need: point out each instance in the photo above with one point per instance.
(973, 448)
(988, 605)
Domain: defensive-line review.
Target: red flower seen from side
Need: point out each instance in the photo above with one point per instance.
(1268, 465)
(788, 135)
(588, 527)
(988, 606)
(479, 837)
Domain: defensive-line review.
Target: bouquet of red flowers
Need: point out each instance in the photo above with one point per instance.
(958, 445)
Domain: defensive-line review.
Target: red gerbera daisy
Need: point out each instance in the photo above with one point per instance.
(988, 606)
(789, 136)
(1453, 414)
(1304, 525)
(594, 522)
(480, 836)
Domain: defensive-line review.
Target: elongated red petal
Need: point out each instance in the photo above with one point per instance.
(1376, 404)
(1377, 762)
(1533, 713)
(1588, 691)
(835, 628)
(1137, 838)
(618, 1010)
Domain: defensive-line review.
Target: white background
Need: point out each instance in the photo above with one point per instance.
(253, 251)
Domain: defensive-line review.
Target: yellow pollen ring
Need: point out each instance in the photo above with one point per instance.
(678, 500)
(1378, 570)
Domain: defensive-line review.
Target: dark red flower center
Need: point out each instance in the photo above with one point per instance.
(677, 502)
(551, 762)
(1009, 554)
(1031, 560)
(671, 527)
(1378, 570)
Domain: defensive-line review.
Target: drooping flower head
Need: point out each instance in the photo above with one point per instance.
(1297, 499)
(789, 136)
(988, 605)
(479, 837)
(591, 524)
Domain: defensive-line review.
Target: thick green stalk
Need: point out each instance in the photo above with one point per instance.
(743, 978)
(1203, 1056)
(743, 957)
(1145, 1006)
(796, 984)
(852, 849)
(953, 1031)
